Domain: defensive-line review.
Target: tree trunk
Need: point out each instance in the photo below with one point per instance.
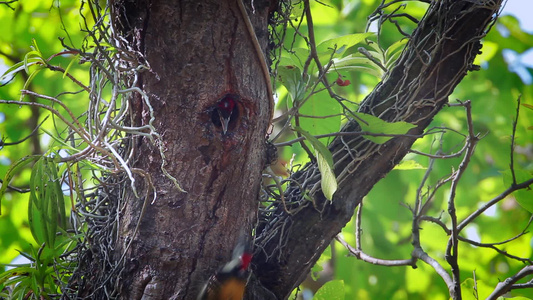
(198, 51)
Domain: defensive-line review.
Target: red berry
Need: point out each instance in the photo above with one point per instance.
(341, 82)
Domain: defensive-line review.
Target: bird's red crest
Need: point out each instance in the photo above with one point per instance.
(226, 104)
(246, 258)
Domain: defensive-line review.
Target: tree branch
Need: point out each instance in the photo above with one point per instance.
(6, 3)
(437, 57)
(376, 261)
(493, 201)
(508, 284)
(453, 243)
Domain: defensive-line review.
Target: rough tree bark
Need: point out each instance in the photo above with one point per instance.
(199, 51)
(439, 54)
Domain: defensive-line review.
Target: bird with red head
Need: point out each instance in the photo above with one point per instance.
(229, 282)
(227, 109)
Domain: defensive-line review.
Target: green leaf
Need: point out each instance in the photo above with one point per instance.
(46, 210)
(54, 201)
(29, 80)
(328, 182)
(378, 126)
(468, 289)
(13, 70)
(291, 78)
(377, 52)
(331, 290)
(395, 48)
(296, 57)
(474, 290)
(527, 105)
(36, 48)
(315, 271)
(342, 43)
(37, 191)
(524, 197)
(409, 165)
(487, 52)
(513, 26)
(18, 271)
(325, 164)
(27, 59)
(357, 62)
(317, 145)
(376, 72)
(75, 59)
(353, 60)
(108, 47)
(325, 257)
(15, 168)
(326, 114)
(393, 52)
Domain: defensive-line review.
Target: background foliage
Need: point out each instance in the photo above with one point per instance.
(32, 23)
(386, 219)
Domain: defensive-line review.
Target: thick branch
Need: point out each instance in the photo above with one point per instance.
(436, 59)
(509, 283)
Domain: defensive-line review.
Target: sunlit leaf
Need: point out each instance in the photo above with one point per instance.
(296, 57)
(320, 114)
(75, 59)
(328, 182)
(378, 126)
(393, 52)
(291, 78)
(325, 164)
(368, 70)
(28, 57)
(342, 43)
(475, 290)
(352, 60)
(487, 52)
(376, 52)
(13, 70)
(331, 290)
(29, 80)
(18, 271)
(396, 47)
(357, 62)
(36, 49)
(409, 165)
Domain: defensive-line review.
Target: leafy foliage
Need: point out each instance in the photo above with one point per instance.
(35, 222)
(331, 290)
(35, 187)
